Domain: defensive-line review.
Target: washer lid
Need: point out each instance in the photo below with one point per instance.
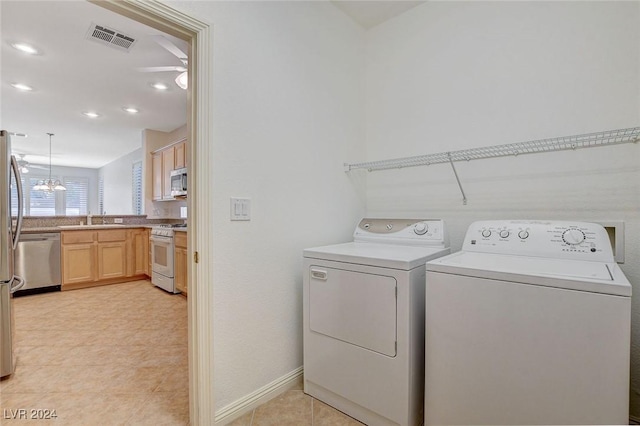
(381, 255)
(595, 277)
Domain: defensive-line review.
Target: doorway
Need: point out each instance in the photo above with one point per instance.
(200, 313)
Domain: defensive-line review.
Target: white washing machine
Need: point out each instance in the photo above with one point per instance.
(528, 324)
(363, 313)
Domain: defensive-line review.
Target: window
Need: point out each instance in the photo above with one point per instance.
(101, 195)
(73, 201)
(14, 195)
(76, 195)
(137, 187)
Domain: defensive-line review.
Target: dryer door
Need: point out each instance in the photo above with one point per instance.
(354, 307)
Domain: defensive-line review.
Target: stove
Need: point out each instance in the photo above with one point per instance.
(162, 257)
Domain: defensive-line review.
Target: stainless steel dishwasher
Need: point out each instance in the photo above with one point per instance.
(38, 262)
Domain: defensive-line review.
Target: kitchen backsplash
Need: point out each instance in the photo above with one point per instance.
(50, 221)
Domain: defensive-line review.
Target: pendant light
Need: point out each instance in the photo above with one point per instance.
(49, 185)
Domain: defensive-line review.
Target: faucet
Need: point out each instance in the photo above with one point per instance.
(89, 216)
(104, 219)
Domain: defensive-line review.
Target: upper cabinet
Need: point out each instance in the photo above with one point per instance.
(165, 161)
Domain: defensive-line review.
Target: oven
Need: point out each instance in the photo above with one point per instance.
(162, 258)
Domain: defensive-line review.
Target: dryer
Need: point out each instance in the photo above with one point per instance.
(528, 324)
(363, 308)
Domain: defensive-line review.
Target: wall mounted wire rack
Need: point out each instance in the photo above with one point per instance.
(564, 143)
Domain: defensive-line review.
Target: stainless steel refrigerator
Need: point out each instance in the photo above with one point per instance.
(9, 235)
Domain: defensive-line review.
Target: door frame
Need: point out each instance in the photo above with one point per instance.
(200, 242)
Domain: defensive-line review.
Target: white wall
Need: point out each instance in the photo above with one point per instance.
(454, 75)
(288, 93)
(118, 183)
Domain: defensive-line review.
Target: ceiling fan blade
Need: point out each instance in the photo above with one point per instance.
(162, 69)
(164, 42)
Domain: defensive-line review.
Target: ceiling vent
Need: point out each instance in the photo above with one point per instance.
(110, 37)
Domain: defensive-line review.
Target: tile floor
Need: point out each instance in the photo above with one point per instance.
(295, 408)
(105, 355)
(117, 355)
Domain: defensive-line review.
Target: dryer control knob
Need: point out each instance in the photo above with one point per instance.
(504, 233)
(420, 228)
(573, 236)
(523, 235)
(486, 233)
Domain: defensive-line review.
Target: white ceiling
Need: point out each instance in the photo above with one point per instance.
(371, 13)
(73, 75)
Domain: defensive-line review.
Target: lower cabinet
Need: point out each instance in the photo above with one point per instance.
(95, 257)
(180, 262)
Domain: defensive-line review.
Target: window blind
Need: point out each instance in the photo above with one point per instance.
(76, 195)
(137, 187)
(101, 195)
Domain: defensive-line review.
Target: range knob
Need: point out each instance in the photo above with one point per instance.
(573, 236)
(504, 233)
(523, 235)
(420, 228)
(486, 233)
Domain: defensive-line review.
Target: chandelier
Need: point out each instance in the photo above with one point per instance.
(49, 185)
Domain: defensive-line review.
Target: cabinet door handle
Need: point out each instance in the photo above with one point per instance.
(318, 274)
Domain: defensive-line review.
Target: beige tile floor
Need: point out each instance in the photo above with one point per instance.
(295, 408)
(111, 355)
(117, 355)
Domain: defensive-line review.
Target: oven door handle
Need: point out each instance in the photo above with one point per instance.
(159, 239)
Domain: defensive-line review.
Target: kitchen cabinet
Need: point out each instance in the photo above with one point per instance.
(78, 257)
(96, 257)
(139, 249)
(164, 161)
(180, 155)
(180, 262)
(157, 176)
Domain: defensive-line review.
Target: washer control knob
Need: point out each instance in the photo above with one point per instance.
(523, 235)
(486, 233)
(420, 228)
(573, 236)
(504, 233)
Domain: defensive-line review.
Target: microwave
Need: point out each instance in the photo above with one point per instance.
(179, 183)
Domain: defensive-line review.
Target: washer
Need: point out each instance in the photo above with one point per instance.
(363, 313)
(528, 324)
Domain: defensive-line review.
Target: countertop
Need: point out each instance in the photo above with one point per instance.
(80, 228)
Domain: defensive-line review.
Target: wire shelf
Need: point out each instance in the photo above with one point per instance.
(588, 140)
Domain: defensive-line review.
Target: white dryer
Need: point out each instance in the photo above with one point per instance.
(363, 313)
(528, 324)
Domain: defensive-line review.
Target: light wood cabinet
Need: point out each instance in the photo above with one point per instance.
(78, 263)
(96, 257)
(180, 262)
(180, 155)
(112, 260)
(157, 176)
(139, 248)
(168, 162)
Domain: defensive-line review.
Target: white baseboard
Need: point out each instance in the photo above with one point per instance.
(244, 405)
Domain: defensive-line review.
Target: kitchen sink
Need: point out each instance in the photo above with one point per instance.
(106, 225)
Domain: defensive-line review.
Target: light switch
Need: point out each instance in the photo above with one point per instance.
(240, 209)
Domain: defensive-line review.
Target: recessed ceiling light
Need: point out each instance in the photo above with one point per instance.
(19, 135)
(22, 87)
(26, 48)
(131, 110)
(159, 86)
(91, 114)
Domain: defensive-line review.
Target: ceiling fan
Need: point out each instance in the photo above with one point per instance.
(24, 165)
(182, 78)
